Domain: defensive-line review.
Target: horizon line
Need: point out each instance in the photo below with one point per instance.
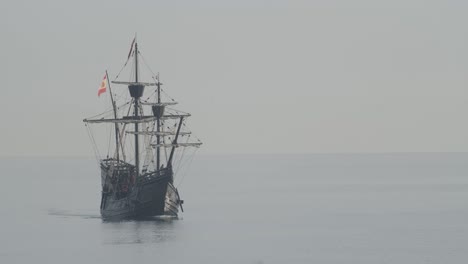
(259, 154)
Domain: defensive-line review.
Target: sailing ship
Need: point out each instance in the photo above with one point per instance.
(137, 174)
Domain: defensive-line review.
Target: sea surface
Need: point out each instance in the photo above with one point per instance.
(321, 208)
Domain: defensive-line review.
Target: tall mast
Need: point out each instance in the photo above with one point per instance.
(137, 157)
(136, 91)
(158, 128)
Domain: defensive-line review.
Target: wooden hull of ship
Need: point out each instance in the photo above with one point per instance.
(147, 198)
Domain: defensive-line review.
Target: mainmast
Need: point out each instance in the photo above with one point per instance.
(137, 155)
(136, 91)
(158, 128)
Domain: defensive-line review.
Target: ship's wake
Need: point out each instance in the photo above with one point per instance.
(84, 215)
(65, 213)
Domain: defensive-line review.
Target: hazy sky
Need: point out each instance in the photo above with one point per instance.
(257, 76)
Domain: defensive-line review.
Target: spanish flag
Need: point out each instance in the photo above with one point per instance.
(103, 87)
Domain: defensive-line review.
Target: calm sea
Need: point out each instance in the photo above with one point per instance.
(334, 208)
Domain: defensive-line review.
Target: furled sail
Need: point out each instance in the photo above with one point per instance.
(156, 133)
(196, 144)
(135, 83)
(134, 119)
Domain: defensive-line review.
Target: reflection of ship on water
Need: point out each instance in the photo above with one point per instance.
(138, 179)
(155, 230)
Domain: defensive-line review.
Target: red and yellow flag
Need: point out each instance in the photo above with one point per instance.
(103, 86)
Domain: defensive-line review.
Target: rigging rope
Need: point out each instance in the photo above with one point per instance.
(110, 137)
(124, 65)
(190, 160)
(147, 66)
(162, 90)
(93, 141)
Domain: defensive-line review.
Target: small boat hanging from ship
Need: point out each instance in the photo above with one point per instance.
(149, 138)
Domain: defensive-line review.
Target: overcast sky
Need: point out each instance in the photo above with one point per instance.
(257, 76)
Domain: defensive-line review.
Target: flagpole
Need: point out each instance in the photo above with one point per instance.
(115, 116)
